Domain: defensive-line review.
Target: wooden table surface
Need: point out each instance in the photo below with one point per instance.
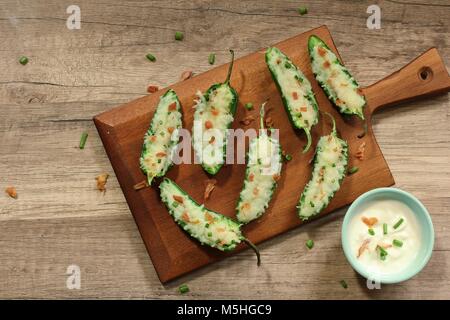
(61, 219)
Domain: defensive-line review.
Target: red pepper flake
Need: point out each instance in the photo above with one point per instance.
(338, 102)
(161, 154)
(101, 181)
(295, 95)
(12, 192)
(247, 120)
(208, 124)
(177, 198)
(255, 191)
(209, 187)
(303, 109)
(152, 138)
(186, 75)
(361, 150)
(326, 64)
(214, 112)
(322, 51)
(185, 217)
(170, 129)
(209, 217)
(251, 177)
(152, 89)
(276, 177)
(173, 106)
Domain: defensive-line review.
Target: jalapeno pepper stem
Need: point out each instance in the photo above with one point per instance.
(230, 68)
(308, 141)
(333, 121)
(254, 248)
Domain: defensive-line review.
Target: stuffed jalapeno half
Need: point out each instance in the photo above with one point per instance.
(208, 227)
(162, 137)
(264, 164)
(329, 169)
(296, 92)
(337, 82)
(214, 114)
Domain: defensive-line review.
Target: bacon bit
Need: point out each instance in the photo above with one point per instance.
(295, 95)
(251, 177)
(173, 106)
(255, 191)
(101, 181)
(170, 129)
(322, 51)
(303, 109)
(278, 61)
(209, 217)
(152, 138)
(247, 120)
(276, 177)
(338, 102)
(220, 229)
(208, 124)
(185, 217)
(326, 64)
(186, 75)
(269, 122)
(12, 192)
(215, 112)
(361, 150)
(363, 247)
(177, 198)
(209, 187)
(152, 89)
(369, 221)
(141, 185)
(161, 154)
(212, 139)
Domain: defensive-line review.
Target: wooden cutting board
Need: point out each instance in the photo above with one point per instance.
(172, 251)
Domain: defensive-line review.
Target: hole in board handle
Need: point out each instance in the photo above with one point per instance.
(425, 74)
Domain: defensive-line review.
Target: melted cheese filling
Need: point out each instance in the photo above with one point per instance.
(160, 143)
(341, 87)
(212, 119)
(294, 87)
(206, 226)
(263, 169)
(328, 169)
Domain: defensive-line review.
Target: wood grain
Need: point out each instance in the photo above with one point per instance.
(73, 75)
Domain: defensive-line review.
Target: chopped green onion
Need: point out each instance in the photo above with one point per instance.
(343, 284)
(399, 222)
(151, 57)
(371, 232)
(353, 170)
(288, 157)
(248, 106)
(83, 139)
(207, 225)
(383, 253)
(179, 35)
(311, 204)
(174, 204)
(183, 288)
(397, 243)
(212, 58)
(209, 234)
(23, 60)
(302, 10)
(309, 244)
(385, 226)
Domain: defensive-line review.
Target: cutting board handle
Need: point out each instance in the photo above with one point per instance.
(424, 76)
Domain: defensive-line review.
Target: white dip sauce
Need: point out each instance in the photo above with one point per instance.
(400, 245)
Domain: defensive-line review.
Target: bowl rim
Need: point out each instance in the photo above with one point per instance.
(429, 242)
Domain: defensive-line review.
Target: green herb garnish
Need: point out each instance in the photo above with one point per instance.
(343, 284)
(23, 60)
(151, 57)
(212, 58)
(209, 234)
(371, 232)
(397, 243)
(183, 288)
(309, 244)
(302, 10)
(248, 106)
(179, 35)
(385, 226)
(353, 170)
(288, 157)
(83, 139)
(399, 222)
